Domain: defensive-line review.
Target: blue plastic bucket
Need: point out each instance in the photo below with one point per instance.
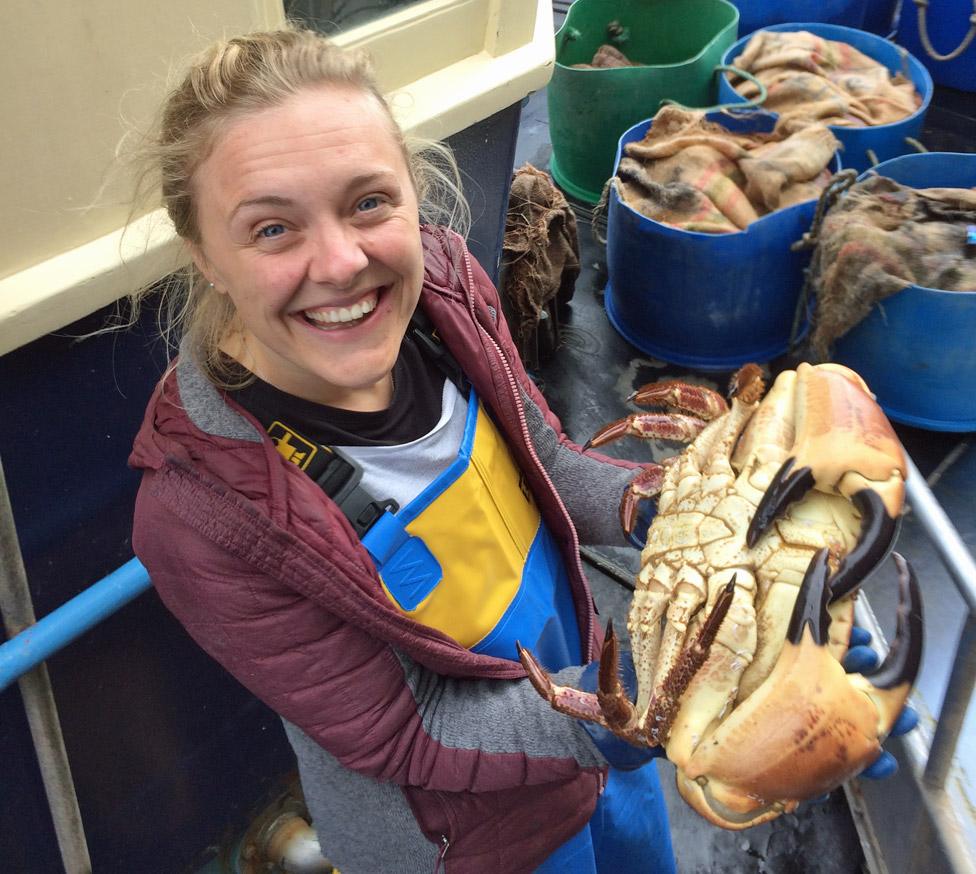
(756, 14)
(706, 301)
(917, 348)
(947, 24)
(884, 140)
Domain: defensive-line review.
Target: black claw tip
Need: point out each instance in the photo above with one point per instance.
(811, 603)
(787, 486)
(878, 531)
(905, 656)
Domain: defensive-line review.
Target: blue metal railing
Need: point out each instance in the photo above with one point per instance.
(40, 641)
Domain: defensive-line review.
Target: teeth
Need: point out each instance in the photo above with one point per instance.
(343, 314)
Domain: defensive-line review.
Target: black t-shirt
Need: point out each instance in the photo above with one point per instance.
(413, 412)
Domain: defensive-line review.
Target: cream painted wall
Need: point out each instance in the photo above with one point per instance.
(70, 72)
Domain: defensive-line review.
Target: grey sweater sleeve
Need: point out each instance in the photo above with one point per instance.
(591, 489)
(498, 716)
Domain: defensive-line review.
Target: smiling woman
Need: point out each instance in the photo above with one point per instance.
(308, 222)
(222, 117)
(355, 499)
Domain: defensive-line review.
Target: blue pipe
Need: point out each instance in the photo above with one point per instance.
(60, 627)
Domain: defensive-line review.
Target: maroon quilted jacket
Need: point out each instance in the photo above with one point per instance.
(265, 573)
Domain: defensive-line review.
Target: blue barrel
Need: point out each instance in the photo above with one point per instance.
(705, 301)
(884, 140)
(755, 14)
(916, 348)
(879, 17)
(947, 24)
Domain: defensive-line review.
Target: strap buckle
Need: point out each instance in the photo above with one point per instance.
(340, 480)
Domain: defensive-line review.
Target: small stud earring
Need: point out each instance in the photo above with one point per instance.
(210, 284)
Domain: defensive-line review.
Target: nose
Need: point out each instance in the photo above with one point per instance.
(336, 256)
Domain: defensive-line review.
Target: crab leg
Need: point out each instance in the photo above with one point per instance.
(665, 702)
(702, 403)
(710, 695)
(663, 426)
(647, 484)
(564, 699)
(617, 708)
(681, 590)
(696, 399)
(610, 706)
(687, 596)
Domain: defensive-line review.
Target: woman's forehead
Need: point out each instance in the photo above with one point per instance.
(340, 112)
(346, 127)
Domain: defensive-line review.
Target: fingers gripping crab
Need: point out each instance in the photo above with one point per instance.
(766, 524)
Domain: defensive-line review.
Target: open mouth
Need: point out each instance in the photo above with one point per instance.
(338, 318)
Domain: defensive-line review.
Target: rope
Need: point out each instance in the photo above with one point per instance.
(828, 197)
(838, 184)
(598, 216)
(923, 33)
(753, 103)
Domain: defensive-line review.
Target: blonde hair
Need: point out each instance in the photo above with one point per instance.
(228, 80)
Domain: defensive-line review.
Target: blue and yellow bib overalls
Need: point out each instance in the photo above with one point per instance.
(471, 556)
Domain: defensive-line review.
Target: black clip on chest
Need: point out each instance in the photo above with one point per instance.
(340, 480)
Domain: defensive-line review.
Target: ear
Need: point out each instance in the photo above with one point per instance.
(203, 265)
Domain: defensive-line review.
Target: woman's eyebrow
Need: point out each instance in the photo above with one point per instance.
(266, 200)
(362, 179)
(375, 176)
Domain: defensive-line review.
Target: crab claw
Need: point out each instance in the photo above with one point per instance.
(787, 486)
(892, 681)
(820, 725)
(844, 445)
(878, 534)
(565, 699)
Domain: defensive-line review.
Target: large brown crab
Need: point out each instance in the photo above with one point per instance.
(775, 513)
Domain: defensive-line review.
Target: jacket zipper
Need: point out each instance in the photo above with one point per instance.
(513, 385)
(445, 846)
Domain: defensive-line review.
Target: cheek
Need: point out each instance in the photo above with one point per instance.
(409, 255)
(271, 283)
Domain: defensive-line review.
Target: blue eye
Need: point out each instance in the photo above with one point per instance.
(368, 203)
(269, 231)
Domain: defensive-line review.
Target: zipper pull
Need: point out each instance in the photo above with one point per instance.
(445, 845)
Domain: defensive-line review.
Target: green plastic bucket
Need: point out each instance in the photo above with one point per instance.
(681, 42)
